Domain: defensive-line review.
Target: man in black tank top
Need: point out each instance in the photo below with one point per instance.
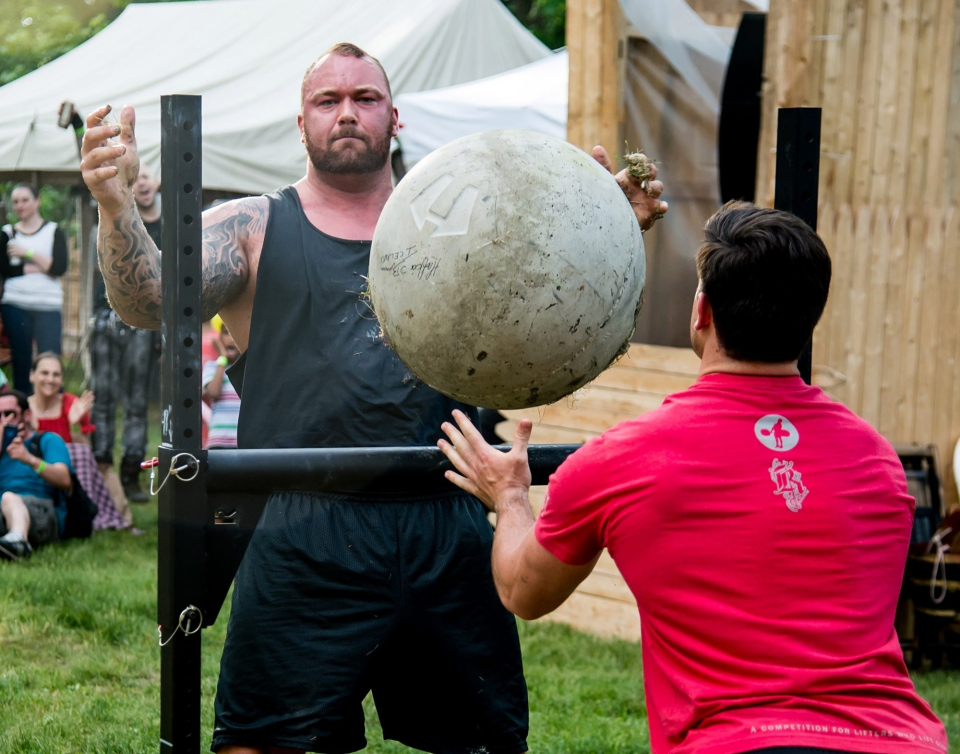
(338, 594)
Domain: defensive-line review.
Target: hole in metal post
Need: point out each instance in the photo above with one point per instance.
(806, 196)
(187, 157)
(188, 250)
(188, 341)
(807, 165)
(188, 372)
(188, 403)
(188, 219)
(188, 432)
(188, 125)
(188, 188)
(188, 281)
(808, 136)
(188, 312)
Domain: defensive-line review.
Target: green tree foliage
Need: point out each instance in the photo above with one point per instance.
(34, 32)
(545, 18)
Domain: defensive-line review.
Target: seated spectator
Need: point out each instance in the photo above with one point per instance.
(224, 401)
(35, 258)
(53, 411)
(32, 514)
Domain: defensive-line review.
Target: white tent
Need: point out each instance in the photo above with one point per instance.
(246, 58)
(532, 98)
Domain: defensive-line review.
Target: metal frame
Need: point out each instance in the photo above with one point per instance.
(798, 179)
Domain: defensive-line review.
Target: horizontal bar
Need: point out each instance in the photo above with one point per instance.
(350, 469)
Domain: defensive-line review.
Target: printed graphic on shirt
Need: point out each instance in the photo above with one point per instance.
(776, 432)
(789, 484)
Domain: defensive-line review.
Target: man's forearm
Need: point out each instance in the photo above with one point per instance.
(515, 522)
(56, 474)
(130, 265)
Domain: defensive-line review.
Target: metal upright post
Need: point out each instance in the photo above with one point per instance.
(182, 509)
(798, 178)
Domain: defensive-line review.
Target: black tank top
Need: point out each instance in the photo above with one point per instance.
(317, 373)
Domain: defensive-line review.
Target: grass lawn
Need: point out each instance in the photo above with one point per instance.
(79, 663)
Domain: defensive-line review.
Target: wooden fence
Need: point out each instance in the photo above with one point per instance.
(887, 75)
(889, 337)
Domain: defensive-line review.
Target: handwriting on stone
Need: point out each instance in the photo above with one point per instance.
(402, 263)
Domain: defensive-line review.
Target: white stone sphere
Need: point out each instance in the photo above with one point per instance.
(507, 269)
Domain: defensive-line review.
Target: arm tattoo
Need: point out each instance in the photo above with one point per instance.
(225, 266)
(130, 265)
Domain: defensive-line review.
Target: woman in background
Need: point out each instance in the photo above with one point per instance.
(36, 257)
(57, 412)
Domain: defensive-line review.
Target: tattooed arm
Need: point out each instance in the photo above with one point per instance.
(129, 259)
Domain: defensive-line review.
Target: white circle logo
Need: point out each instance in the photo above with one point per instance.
(776, 432)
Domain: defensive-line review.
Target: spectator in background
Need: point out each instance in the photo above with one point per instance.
(121, 358)
(223, 397)
(31, 514)
(36, 257)
(59, 412)
(53, 410)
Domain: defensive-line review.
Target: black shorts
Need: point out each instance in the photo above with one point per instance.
(341, 594)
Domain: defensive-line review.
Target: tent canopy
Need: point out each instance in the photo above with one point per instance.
(247, 58)
(531, 98)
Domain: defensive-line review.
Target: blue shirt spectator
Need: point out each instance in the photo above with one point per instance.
(18, 477)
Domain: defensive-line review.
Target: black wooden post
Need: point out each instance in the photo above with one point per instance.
(798, 177)
(182, 506)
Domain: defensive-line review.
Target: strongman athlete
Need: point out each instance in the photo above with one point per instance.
(761, 525)
(338, 593)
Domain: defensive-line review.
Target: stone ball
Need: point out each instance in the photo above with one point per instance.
(507, 269)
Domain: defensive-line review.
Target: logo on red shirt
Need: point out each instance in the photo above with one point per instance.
(776, 432)
(789, 484)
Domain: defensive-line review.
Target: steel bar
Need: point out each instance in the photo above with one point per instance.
(182, 563)
(798, 178)
(349, 469)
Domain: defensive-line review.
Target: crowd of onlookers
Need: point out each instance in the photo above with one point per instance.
(58, 477)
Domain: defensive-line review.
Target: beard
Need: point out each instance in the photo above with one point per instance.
(371, 159)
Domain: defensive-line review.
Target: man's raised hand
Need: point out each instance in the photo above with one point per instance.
(485, 472)
(643, 194)
(109, 161)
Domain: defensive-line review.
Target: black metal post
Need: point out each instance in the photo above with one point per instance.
(182, 506)
(798, 178)
(349, 469)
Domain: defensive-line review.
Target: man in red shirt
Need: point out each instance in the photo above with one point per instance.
(762, 527)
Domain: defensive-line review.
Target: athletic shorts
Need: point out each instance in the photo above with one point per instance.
(44, 526)
(341, 594)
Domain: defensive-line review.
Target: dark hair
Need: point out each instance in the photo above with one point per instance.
(345, 49)
(46, 355)
(766, 274)
(21, 397)
(29, 187)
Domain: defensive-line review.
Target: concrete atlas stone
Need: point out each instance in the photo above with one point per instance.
(507, 269)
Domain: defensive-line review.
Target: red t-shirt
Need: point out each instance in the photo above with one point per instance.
(763, 529)
(61, 426)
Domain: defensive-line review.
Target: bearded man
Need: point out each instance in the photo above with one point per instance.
(338, 594)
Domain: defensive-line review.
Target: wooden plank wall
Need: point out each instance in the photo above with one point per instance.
(594, 29)
(887, 75)
(636, 384)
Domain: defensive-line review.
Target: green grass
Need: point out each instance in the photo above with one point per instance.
(79, 663)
